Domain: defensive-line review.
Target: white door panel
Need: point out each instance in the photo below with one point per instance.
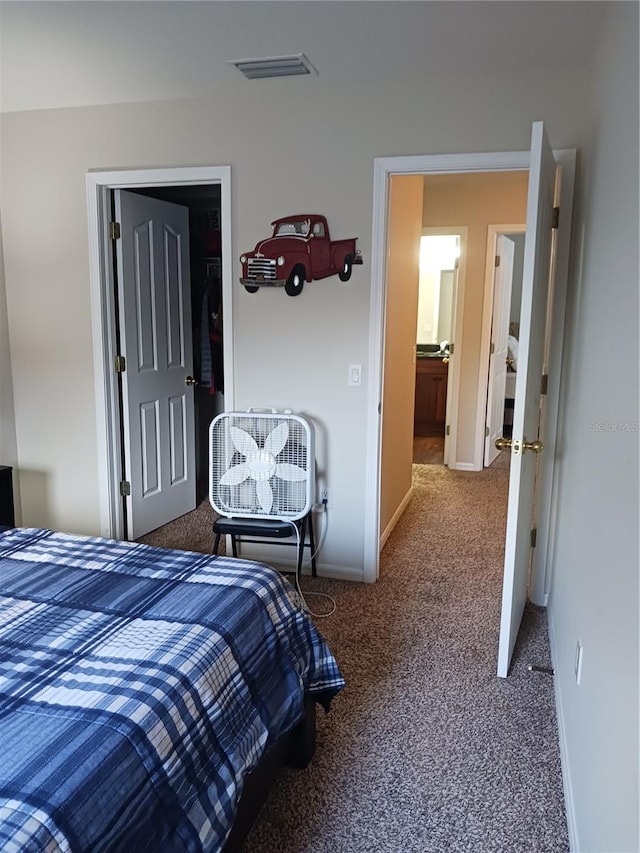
(503, 278)
(155, 328)
(535, 289)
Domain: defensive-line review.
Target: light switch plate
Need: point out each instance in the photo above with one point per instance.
(355, 375)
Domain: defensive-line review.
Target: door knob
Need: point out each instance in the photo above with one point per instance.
(519, 446)
(503, 443)
(190, 381)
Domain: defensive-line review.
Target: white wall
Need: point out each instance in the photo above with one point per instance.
(516, 289)
(292, 147)
(594, 597)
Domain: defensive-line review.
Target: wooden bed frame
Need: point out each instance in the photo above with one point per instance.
(293, 750)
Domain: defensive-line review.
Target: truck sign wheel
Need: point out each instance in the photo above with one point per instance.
(345, 272)
(295, 282)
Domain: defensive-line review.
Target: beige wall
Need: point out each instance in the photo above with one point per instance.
(314, 151)
(594, 596)
(8, 447)
(477, 201)
(405, 205)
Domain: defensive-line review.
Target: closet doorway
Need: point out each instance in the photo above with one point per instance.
(205, 193)
(207, 310)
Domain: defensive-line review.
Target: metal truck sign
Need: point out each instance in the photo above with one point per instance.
(300, 249)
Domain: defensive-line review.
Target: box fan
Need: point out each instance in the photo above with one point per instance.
(261, 465)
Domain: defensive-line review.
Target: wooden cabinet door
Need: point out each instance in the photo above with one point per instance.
(430, 396)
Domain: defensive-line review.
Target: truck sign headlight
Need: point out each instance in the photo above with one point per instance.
(280, 261)
(243, 259)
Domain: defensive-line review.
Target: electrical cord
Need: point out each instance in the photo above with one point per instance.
(310, 593)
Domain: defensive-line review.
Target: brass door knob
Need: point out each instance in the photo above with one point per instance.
(190, 381)
(518, 446)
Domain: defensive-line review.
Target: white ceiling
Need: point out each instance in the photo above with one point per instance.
(63, 54)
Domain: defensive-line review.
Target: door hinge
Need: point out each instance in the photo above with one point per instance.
(120, 364)
(114, 230)
(497, 261)
(492, 349)
(486, 432)
(448, 430)
(544, 383)
(450, 349)
(555, 219)
(534, 536)
(125, 488)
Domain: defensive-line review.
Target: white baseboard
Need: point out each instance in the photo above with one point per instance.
(339, 573)
(465, 466)
(324, 570)
(395, 518)
(282, 563)
(569, 805)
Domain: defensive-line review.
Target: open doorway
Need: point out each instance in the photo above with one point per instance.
(501, 331)
(436, 388)
(213, 182)
(442, 166)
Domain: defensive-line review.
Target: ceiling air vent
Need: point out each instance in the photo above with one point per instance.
(274, 66)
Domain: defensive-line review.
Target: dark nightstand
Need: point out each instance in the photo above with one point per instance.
(7, 514)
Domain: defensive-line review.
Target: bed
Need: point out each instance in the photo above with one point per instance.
(143, 691)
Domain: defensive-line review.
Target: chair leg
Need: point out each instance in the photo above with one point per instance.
(312, 545)
(234, 547)
(303, 533)
(216, 543)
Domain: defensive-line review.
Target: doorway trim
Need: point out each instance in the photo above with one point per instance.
(101, 278)
(383, 169)
(493, 232)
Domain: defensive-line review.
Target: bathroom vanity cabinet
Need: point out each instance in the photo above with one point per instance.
(431, 396)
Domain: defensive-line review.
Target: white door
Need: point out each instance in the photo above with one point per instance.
(526, 415)
(502, 280)
(155, 332)
(449, 404)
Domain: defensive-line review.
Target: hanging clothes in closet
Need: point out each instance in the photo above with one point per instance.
(211, 364)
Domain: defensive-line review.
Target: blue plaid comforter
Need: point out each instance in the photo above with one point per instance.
(138, 686)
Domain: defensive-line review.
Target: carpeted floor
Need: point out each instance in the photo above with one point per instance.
(428, 450)
(426, 749)
(191, 532)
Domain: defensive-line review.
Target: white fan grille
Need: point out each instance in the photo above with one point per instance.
(261, 465)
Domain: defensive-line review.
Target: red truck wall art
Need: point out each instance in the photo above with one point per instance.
(300, 249)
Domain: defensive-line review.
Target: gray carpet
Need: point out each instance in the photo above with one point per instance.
(191, 532)
(425, 750)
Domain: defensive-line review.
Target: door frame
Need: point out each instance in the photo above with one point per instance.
(101, 282)
(493, 232)
(498, 161)
(453, 380)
